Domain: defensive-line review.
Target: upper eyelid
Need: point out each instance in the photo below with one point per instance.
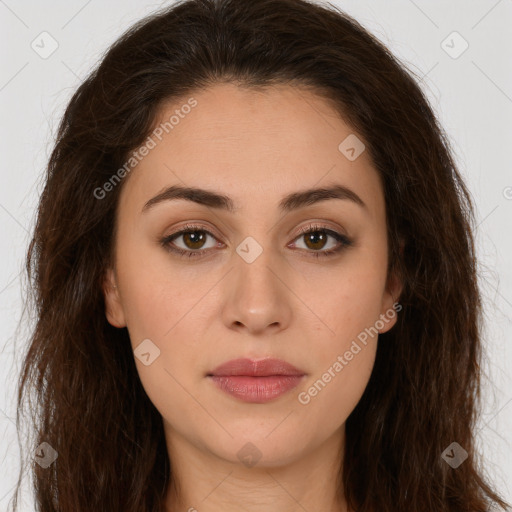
(304, 230)
(188, 228)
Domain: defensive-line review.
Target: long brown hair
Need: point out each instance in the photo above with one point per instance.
(88, 403)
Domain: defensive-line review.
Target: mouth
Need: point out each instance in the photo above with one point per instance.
(256, 381)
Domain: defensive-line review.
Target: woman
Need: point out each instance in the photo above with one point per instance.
(254, 276)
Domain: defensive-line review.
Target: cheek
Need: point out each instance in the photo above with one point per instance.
(345, 341)
(157, 293)
(165, 312)
(343, 354)
(350, 302)
(330, 396)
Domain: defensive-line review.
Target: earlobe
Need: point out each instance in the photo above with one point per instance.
(113, 307)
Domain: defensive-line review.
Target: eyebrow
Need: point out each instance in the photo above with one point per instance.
(291, 202)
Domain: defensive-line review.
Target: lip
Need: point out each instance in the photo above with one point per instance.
(256, 368)
(256, 381)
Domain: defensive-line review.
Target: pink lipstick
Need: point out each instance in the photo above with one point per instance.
(256, 381)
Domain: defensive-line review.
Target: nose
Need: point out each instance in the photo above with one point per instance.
(258, 299)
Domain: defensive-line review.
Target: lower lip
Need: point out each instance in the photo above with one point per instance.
(256, 390)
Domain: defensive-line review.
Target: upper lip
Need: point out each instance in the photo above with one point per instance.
(256, 368)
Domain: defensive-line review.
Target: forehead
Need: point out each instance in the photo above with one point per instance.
(254, 145)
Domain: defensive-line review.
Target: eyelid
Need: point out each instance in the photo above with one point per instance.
(191, 226)
(314, 223)
(343, 241)
(187, 229)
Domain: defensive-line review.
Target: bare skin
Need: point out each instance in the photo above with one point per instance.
(255, 147)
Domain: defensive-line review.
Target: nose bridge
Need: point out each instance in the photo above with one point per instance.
(257, 269)
(258, 299)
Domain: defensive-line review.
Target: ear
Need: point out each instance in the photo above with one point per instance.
(113, 307)
(390, 305)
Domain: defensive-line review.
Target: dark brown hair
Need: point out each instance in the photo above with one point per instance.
(424, 392)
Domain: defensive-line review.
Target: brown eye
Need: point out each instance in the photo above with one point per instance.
(194, 239)
(190, 241)
(316, 240)
(317, 237)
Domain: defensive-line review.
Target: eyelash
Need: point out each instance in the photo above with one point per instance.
(342, 239)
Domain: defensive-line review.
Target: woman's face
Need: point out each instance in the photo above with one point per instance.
(250, 283)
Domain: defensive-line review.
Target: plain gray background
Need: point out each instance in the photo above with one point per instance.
(471, 91)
